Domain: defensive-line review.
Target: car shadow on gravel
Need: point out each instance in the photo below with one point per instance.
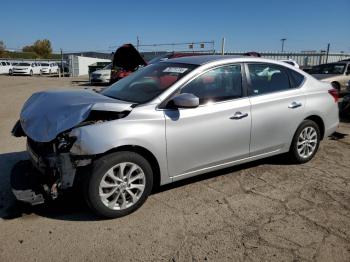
(72, 207)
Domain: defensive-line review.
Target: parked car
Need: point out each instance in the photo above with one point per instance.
(253, 54)
(49, 68)
(336, 73)
(291, 62)
(26, 68)
(126, 60)
(63, 67)
(166, 122)
(101, 76)
(5, 67)
(344, 107)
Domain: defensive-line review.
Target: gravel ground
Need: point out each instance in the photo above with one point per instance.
(267, 210)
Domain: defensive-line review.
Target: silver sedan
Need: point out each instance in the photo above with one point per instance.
(170, 121)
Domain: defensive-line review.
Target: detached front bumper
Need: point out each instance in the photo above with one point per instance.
(45, 175)
(26, 183)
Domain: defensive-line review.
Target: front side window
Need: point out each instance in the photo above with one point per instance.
(219, 84)
(267, 78)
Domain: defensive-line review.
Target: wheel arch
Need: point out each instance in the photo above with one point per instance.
(319, 121)
(148, 155)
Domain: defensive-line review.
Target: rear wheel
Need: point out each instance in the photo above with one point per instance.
(10, 72)
(119, 184)
(305, 142)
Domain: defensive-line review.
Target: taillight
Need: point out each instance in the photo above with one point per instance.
(334, 92)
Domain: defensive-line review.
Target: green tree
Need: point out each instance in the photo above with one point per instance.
(41, 47)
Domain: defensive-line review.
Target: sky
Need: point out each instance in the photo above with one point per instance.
(247, 25)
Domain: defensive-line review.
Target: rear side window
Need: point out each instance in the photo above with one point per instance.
(219, 84)
(267, 78)
(296, 79)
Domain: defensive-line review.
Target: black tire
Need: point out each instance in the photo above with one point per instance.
(31, 72)
(99, 169)
(293, 151)
(10, 72)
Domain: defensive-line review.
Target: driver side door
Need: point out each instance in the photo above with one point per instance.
(217, 132)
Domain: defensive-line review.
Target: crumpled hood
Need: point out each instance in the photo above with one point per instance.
(323, 76)
(48, 113)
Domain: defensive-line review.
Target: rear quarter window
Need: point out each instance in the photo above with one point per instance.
(296, 79)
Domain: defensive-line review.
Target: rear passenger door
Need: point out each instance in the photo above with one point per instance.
(277, 106)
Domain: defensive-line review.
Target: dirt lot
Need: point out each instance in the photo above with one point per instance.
(263, 211)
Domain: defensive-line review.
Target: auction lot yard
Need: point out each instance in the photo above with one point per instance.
(267, 210)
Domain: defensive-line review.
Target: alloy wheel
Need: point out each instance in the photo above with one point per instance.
(122, 186)
(307, 142)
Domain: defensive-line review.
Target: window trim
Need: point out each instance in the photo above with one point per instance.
(284, 69)
(163, 104)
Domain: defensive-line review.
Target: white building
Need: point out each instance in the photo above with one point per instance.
(79, 65)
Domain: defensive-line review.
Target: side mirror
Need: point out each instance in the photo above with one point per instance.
(185, 100)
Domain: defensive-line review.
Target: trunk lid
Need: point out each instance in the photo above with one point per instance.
(128, 58)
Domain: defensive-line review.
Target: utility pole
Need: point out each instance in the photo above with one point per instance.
(282, 40)
(327, 52)
(137, 43)
(223, 46)
(62, 62)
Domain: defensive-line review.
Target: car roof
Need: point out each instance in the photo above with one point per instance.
(201, 59)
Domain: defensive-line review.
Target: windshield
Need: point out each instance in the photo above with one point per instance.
(148, 82)
(23, 64)
(44, 64)
(107, 67)
(328, 69)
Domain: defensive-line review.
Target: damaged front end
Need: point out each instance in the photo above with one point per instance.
(52, 168)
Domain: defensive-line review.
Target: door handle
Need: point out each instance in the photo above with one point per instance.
(239, 115)
(294, 105)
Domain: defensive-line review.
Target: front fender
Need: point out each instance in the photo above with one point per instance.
(99, 138)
